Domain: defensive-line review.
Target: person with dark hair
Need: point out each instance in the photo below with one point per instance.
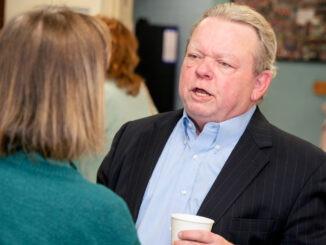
(52, 67)
(126, 95)
(219, 157)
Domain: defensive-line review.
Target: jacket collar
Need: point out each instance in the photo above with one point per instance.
(247, 159)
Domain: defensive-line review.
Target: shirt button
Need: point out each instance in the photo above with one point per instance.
(185, 142)
(190, 125)
(195, 157)
(217, 147)
(183, 192)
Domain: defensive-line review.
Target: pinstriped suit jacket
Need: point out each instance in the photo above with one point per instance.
(272, 189)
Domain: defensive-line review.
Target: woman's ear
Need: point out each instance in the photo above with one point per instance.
(262, 83)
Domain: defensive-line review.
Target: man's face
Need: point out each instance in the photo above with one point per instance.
(216, 78)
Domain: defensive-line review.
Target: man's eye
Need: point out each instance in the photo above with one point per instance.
(192, 56)
(225, 64)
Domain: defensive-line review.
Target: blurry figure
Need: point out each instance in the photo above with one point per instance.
(52, 67)
(125, 93)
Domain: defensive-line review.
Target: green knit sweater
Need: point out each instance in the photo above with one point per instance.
(48, 202)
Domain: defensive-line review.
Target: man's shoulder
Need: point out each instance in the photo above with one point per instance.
(290, 141)
(268, 135)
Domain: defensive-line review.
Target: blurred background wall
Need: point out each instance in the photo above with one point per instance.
(121, 9)
(290, 102)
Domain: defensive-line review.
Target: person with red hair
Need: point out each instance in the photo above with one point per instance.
(125, 93)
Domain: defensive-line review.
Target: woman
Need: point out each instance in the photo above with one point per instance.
(52, 68)
(125, 93)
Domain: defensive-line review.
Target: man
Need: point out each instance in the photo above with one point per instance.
(219, 157)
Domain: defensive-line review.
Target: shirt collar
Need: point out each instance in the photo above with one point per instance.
(228, 130)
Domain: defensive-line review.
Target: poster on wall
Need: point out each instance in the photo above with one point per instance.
(300, 27)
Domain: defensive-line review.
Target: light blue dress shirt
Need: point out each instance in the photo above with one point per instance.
(184, 173)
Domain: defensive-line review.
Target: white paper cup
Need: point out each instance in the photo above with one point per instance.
(181, 222)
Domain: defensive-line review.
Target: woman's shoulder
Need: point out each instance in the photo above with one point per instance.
(119, 104)
(100, 195)
(107, 213)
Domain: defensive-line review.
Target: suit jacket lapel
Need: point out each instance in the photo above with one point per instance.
(151, 144)
(245, 162)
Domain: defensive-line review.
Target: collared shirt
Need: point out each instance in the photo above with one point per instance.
(184, 173)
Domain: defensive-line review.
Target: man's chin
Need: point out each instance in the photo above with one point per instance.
(199, 114)
(198, 109)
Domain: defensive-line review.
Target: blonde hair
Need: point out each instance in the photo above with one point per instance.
(52, 68)
(266, 54)
(124, 56)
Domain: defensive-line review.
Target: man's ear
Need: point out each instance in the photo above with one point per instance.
(261, 85)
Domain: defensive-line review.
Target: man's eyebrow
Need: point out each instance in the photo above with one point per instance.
(215, 55)
(225, 55)
(193, 46)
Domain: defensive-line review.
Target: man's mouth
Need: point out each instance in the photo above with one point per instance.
(201, 92)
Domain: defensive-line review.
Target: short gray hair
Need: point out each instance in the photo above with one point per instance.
(265, 57)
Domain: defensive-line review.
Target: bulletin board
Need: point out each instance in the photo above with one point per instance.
(300, 27)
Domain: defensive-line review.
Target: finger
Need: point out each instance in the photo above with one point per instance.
(182, 242)
(204, 237)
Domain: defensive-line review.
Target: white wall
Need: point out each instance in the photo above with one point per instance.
(120, 9)
(14, 7)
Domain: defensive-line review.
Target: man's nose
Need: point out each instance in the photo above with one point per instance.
(205, 68)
